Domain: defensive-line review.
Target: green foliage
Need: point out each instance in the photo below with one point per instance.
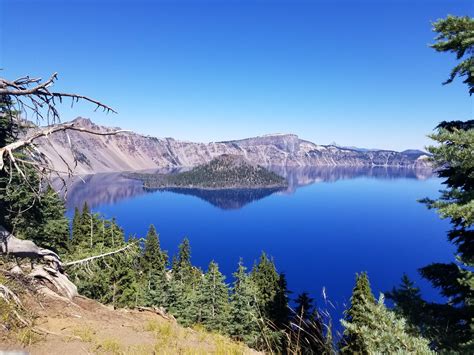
(54, 226)
(154, 273)
(38, 216)
(456, 35)
(266, 279)
(213, 300)
(243, 317)
(113, 279)
(380, 331)
(450, 325)
(226, 171)
(184, 284)
(357, 314)
(410, 305)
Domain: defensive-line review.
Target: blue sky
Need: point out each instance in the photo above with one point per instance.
(353, 72)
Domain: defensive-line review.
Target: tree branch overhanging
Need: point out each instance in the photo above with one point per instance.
(40, 96)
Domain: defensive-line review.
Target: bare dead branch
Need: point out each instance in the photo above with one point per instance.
(40, 94)
(91, 258)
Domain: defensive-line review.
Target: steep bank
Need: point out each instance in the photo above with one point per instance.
(85, 326)
(129, 152)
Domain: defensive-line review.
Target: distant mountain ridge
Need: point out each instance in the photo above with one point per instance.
(133, 151)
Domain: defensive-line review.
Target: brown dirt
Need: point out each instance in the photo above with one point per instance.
(85, 326)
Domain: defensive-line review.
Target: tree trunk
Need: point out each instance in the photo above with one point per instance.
(50, 267)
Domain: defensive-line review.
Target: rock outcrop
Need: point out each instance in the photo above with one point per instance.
(132, 151)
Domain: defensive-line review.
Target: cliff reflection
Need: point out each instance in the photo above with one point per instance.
(111, 188)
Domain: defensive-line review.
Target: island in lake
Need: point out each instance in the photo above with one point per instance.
(224, 172)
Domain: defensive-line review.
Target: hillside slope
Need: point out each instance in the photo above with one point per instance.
(128, 152)
(85, 326)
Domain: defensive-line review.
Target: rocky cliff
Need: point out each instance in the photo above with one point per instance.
(132, 151)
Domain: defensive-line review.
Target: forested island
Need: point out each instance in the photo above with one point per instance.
(224, 172)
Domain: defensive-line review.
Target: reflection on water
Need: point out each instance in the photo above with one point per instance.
(111, 188)
(228, 199)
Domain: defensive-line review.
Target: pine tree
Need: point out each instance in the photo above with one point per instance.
(357, 314)
(280, 309)
(76, 227)
(304, 306)
(153, 257)
(213, 300)
(54, 232)
(184, 283)
(382, 332)
(450, 325)
(153, 267)
(266, 279)
(243, 317)
(410, 305)
(81, 238)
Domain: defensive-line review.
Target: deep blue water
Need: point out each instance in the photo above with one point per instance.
(330, 224)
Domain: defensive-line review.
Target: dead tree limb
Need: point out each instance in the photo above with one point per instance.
(91, 258)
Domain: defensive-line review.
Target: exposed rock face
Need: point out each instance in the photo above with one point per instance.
(128, 152)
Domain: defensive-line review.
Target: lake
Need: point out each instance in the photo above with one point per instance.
(329, 224)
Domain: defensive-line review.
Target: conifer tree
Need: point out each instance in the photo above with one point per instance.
(409, 304)
(153, 267)
(54, 232)
(279, 308)
(357, 313)
(266, 279)
(153, 257)
(183, 286)
(381, 332)
(304, 306)
(76, 226)
(450, 325)
(243, 317)
(213, 300)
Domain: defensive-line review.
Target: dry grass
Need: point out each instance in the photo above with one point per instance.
(85, 326)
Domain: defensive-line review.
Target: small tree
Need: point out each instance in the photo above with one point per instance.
(213, 300)
(357, 313)
(381, 332)
(243, 317)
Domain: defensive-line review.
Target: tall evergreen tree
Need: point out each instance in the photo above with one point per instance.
(184, 284)
(153, 257)
(54, 232)
(279, 308)
(243, 317)
(410, 305)
(450, 325)
(154, 273)
(357, 313)
(266, 279)
(213, 300)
